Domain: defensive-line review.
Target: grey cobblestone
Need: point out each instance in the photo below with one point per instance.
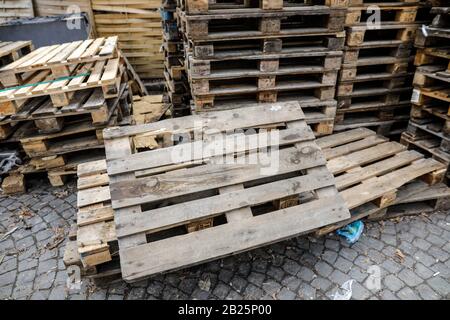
(301, 268)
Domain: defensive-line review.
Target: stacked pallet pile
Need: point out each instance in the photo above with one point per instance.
(264, 51)
(176, 83)
(138, 25)
(375, 81)
(429, 128)
(219, 209)
(61, 97)
(15, 9)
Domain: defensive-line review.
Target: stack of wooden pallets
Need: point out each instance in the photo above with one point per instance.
(15, 9)
(59, 98)
(138, 25)
(429, 127)
(374, 83)
(176, 82)
(200, 208)
(264, 51)
(11, 51)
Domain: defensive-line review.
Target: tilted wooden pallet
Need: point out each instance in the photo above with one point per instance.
(387, 34)
(369, 169)
(15, 9)
(246, 207)
(60, 59)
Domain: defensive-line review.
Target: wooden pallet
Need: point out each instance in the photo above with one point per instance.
(387, 128)
(380, 3)
(414, 198)
(376, 54)
(12, 51)
(60, 59)
(289, 21)
(431, 128)
(375, 97)
(201, 49)
(75, 136)
(211, 7)
(87, 104)
(106, 74)
(387, 34)
(367, 87)
(434, 55)
(15, 9)
(376, 115)
(406, 12)
(229, 181)
(369, 170)
(148, 108)
(263, 65)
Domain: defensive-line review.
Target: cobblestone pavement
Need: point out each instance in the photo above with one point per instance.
(413, 255)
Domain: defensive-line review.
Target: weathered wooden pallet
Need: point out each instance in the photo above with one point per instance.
(389, 85)
(433, 78)
(263, 65)
(15, 9)
(87, 104)
(12, 51)
(381, 3)
(381, 71)
(375, 54)
(106, 74)
(289, 21)
(429, 145)
(387, 128)
(353, 116)
(436, 55)
(369, 169)
(387, 34)
(319, 115)
(434, 128)
(60, 59)
(298, 91)
(211, 7)
(75, 136)
(414, 198)
(406, 12)
(282, 80)
(375, 97)
(279, 43)
(233, 218)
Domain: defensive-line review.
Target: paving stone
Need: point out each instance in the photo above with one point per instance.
(329, 256)
(422, 271)
(434, 239)
(424, 258)
(323, 269)
(252, 292)
(306, 292)
(276, 273)
(6, 291)
(391, 266)
(225, 275)
(358, 274)
(321, 283)
(439, 285)
(27, 264)
(256, 278)
(97, 295)
(343, 264)
(421, 244)
(292, 283)
(332, 244)
(44, 281)
(426, 293)
(348, 253)
(389, 239)
(306, 274)
(438, 253)
(271, 287)
(359, 292)
(44, 235)
(25, 277)
(291, 267)
(286, 294)
(221, 290)
(233, 295)
(393, 283)
(409, 277)
(407, 294)
(46, 266)
(155, 288)
(238, 283)
(22, 290)
(8, 265)
(40, 295)
(388, 295)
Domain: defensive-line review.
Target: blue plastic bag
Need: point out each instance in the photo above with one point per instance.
(352, 231)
